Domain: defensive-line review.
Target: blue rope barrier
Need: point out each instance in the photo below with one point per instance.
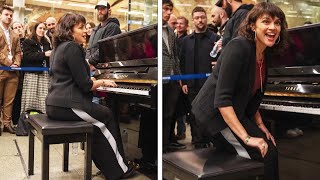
(185, 77)
(166, 78)
(24, 68)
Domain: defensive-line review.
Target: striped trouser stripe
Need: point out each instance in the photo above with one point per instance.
(85, 116)
(228, 135)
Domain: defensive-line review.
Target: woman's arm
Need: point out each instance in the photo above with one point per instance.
(260, 124)
(233, 122)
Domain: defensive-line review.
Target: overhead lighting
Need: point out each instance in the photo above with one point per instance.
(286, 3)
(182, 4)
(82, 5)
(204, 6)
(292, 12)
(50, 1)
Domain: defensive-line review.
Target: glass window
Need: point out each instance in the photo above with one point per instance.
(132, 14)
(299, 12)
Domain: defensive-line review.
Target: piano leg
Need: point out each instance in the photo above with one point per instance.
(148, 139)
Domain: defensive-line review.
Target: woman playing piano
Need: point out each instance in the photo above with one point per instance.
(70, 96)
(229, 100)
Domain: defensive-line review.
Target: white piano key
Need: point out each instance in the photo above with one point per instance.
(123, 90)
(296, 109)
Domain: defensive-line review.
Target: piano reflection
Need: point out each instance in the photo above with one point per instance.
(130, 59)
(294, 77)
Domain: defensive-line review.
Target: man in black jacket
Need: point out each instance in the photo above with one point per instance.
(236, 12)
(108, 27)
(194, 57)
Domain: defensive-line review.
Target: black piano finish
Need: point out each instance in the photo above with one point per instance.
(130, 59)
(294, 76)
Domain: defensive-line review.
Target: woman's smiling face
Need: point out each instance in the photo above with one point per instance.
(267, 30)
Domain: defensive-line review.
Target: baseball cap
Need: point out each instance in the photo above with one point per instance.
(103, 3)
(219, 3)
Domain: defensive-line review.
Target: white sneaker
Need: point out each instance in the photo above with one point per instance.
(298, 131)
(291, 133)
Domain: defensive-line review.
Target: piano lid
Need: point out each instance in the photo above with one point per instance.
(134, 48)
(302, 57)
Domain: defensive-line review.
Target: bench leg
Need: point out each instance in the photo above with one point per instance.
(31, 154)
(65, 163)
(88, 161)
(45, 160)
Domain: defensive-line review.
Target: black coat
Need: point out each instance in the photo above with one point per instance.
(230, 84)
(231, 28)
(33, 56)
(70, 78)
(188, 59)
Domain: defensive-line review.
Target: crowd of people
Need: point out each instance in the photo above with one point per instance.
(65, 92)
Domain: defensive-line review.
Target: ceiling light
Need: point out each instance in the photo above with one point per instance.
(50, 1)
(82, 5)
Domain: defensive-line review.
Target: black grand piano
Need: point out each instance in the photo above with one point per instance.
(130, 59)
(294, 77)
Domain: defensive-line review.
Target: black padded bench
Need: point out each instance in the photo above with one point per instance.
(207, 164)
(57, 132)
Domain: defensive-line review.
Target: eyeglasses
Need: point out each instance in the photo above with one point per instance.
(199, 17)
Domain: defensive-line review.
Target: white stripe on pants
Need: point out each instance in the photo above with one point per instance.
(228, 135)
(86, 117)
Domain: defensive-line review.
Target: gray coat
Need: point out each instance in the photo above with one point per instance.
(170, 61)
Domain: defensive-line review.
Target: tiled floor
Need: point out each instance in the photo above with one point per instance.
(14, 167)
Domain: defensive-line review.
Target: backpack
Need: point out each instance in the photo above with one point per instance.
(23, 126)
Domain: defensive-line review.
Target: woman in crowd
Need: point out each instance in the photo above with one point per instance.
(229, 100)
(36, 52)
(70, 97)
(89, 27)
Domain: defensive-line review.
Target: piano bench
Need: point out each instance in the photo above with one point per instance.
(50, 131)
(207, 164)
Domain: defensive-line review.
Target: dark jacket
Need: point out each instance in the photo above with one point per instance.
(231, 28)
(230, 84)
(110, 28)
(179, 41)
(203, 61)
(70, 78)
(33, 55)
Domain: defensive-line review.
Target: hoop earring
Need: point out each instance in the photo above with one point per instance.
(278, 40)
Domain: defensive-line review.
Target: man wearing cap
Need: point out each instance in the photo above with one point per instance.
(108, 27)
(236, 11)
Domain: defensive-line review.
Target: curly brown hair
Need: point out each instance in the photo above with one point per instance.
(259, 10)
(64, 27)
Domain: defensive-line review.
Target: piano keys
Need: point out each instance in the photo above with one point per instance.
(294, 77)
(130, 59)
